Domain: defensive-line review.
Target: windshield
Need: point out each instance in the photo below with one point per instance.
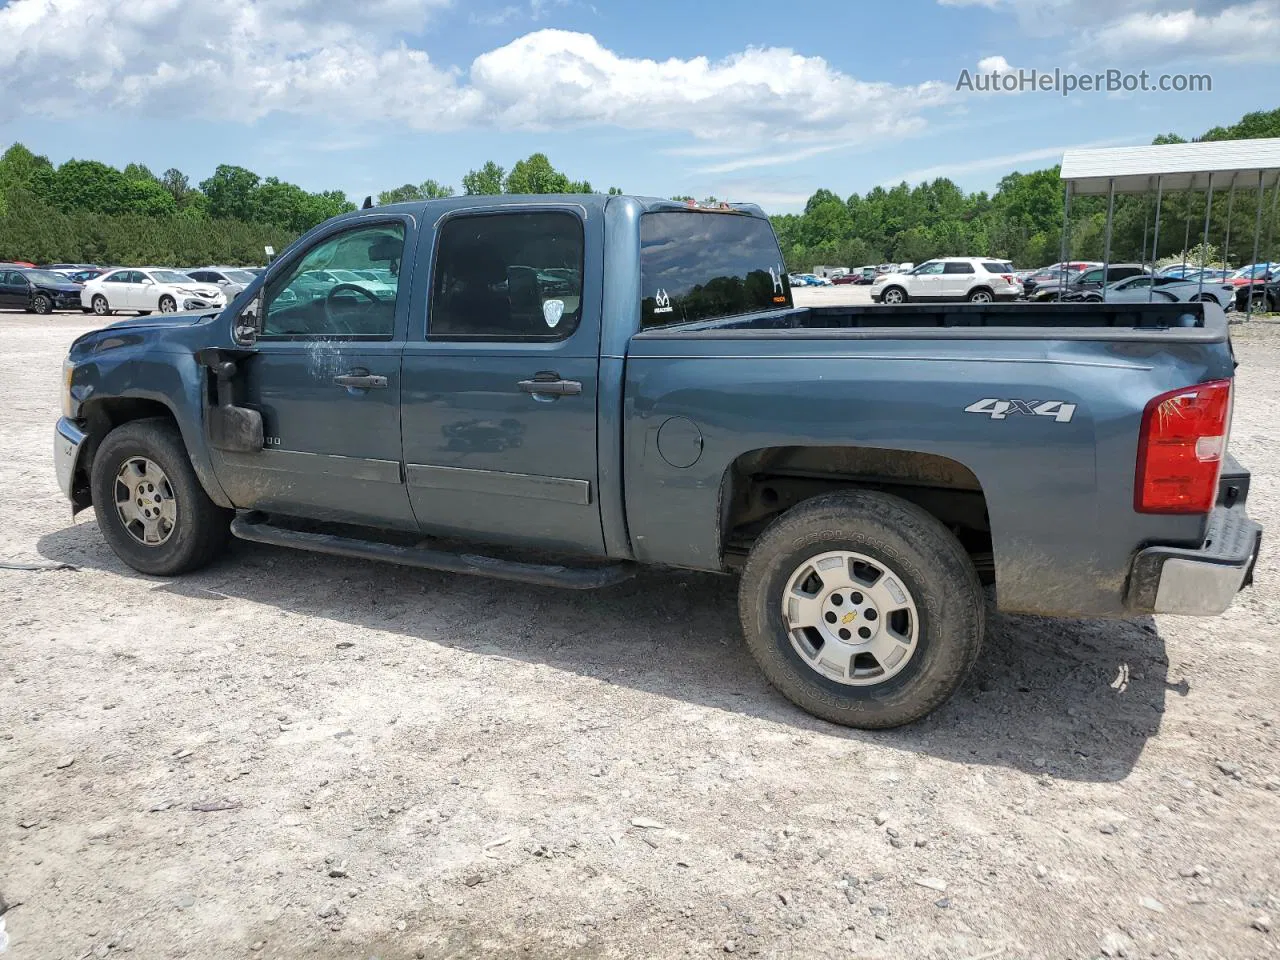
(702, 266)
(44, 276)
(170, 276)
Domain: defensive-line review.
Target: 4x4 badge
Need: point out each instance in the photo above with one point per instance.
(1002, 409)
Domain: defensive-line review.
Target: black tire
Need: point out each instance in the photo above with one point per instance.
(42, 304)
(921, 552)
(201, 529)
(144, 313)
(981, 295)
(100, 306)
(170, 302)
(899, 294)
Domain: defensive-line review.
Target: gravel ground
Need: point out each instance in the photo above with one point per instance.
(290, 755)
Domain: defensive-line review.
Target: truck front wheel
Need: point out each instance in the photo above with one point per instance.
(151, 508)
(862, 609)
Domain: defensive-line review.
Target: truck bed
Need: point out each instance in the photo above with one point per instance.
(1199, 322)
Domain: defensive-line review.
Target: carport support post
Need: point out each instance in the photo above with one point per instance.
(1257, 234)
(1106, 248)
(1208, 206)
(1186, 239)
(1226, 244)
(1155, 243)
(1066, 230)
(1146, 222)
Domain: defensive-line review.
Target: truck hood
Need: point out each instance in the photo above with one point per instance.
(184, 318)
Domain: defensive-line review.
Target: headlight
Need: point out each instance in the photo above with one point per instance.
(68, 369)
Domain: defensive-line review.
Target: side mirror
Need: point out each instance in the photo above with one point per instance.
(147, 281)
(248, 324)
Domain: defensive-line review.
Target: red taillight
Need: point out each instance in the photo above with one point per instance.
(1007, 277)
(1180, 449)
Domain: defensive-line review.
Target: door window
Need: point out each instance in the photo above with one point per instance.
(507, 276)
(308, 300)
(929, 269)
(120, 276)
(957, 268)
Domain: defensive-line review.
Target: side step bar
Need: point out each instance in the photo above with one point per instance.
(249, 526)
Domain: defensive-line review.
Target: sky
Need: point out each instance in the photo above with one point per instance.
(741, 99)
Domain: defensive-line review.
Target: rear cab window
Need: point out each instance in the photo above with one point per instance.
(993, 266)
(702, 265)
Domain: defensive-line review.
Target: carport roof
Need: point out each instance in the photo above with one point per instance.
(1181, 166)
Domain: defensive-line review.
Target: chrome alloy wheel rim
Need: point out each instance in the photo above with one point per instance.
(145, 501)
(850, 618)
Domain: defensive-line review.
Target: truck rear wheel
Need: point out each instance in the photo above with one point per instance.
(862, 609)
(151, 508)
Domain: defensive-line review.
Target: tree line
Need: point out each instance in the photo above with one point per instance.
(84, 210)
(1022, 220)
(87, 211)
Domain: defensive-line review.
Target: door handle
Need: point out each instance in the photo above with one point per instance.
(552, 388)
(360, 381)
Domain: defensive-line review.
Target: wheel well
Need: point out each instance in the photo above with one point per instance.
(981, 287)
(101, 417)
(761, 485)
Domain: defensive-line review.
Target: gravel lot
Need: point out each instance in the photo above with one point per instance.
(290, 755)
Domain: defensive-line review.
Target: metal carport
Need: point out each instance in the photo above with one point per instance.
(1251, 165)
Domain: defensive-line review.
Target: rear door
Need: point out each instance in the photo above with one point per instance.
(500, 395)
(957, 278)
(13, 289)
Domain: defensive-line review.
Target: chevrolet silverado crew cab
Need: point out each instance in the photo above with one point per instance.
(556, 389)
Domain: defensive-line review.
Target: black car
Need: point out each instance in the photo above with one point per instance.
(37, 291)
(1266, 297)
(1080, 285)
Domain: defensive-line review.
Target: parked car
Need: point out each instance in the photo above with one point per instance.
(69, 267)
(1078, 285)
(976, 279)
(37, 291)
(1078, 464)
(1255, 271)
(230, 280)
(1169, 289)
(813, 280)
(847, 279)
(148, 289)
(83, 276)
(1210, 275)
(1266, 297)
(1053, 273)
(906, 267)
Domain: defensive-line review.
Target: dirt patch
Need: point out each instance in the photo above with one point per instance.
(290, 755)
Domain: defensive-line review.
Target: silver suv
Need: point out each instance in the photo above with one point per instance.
(975, 279)
(230, 280)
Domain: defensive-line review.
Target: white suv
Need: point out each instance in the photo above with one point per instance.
(975, 279)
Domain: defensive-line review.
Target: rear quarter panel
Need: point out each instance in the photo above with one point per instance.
(1059, 494)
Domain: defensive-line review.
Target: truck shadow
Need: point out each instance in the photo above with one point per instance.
(1076, 699)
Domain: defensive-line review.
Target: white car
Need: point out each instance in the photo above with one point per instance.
(146, 290)
(975, 279)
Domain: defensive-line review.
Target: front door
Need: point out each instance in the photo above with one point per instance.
(925, 282)
(325, 375)
(500, 397)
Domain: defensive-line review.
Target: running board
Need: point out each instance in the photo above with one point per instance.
(248, 527)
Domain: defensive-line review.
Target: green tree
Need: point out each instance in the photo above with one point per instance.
(487, 180)
(231, 192)
(537, 175)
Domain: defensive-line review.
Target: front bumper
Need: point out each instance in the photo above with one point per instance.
(1198, 581)
(68, 442)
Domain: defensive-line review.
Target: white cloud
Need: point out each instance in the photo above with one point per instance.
(1007, 161)
(1158, 31)
(349, 62)
(994, 65)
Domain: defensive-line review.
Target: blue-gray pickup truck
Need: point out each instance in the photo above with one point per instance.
(556, 389)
